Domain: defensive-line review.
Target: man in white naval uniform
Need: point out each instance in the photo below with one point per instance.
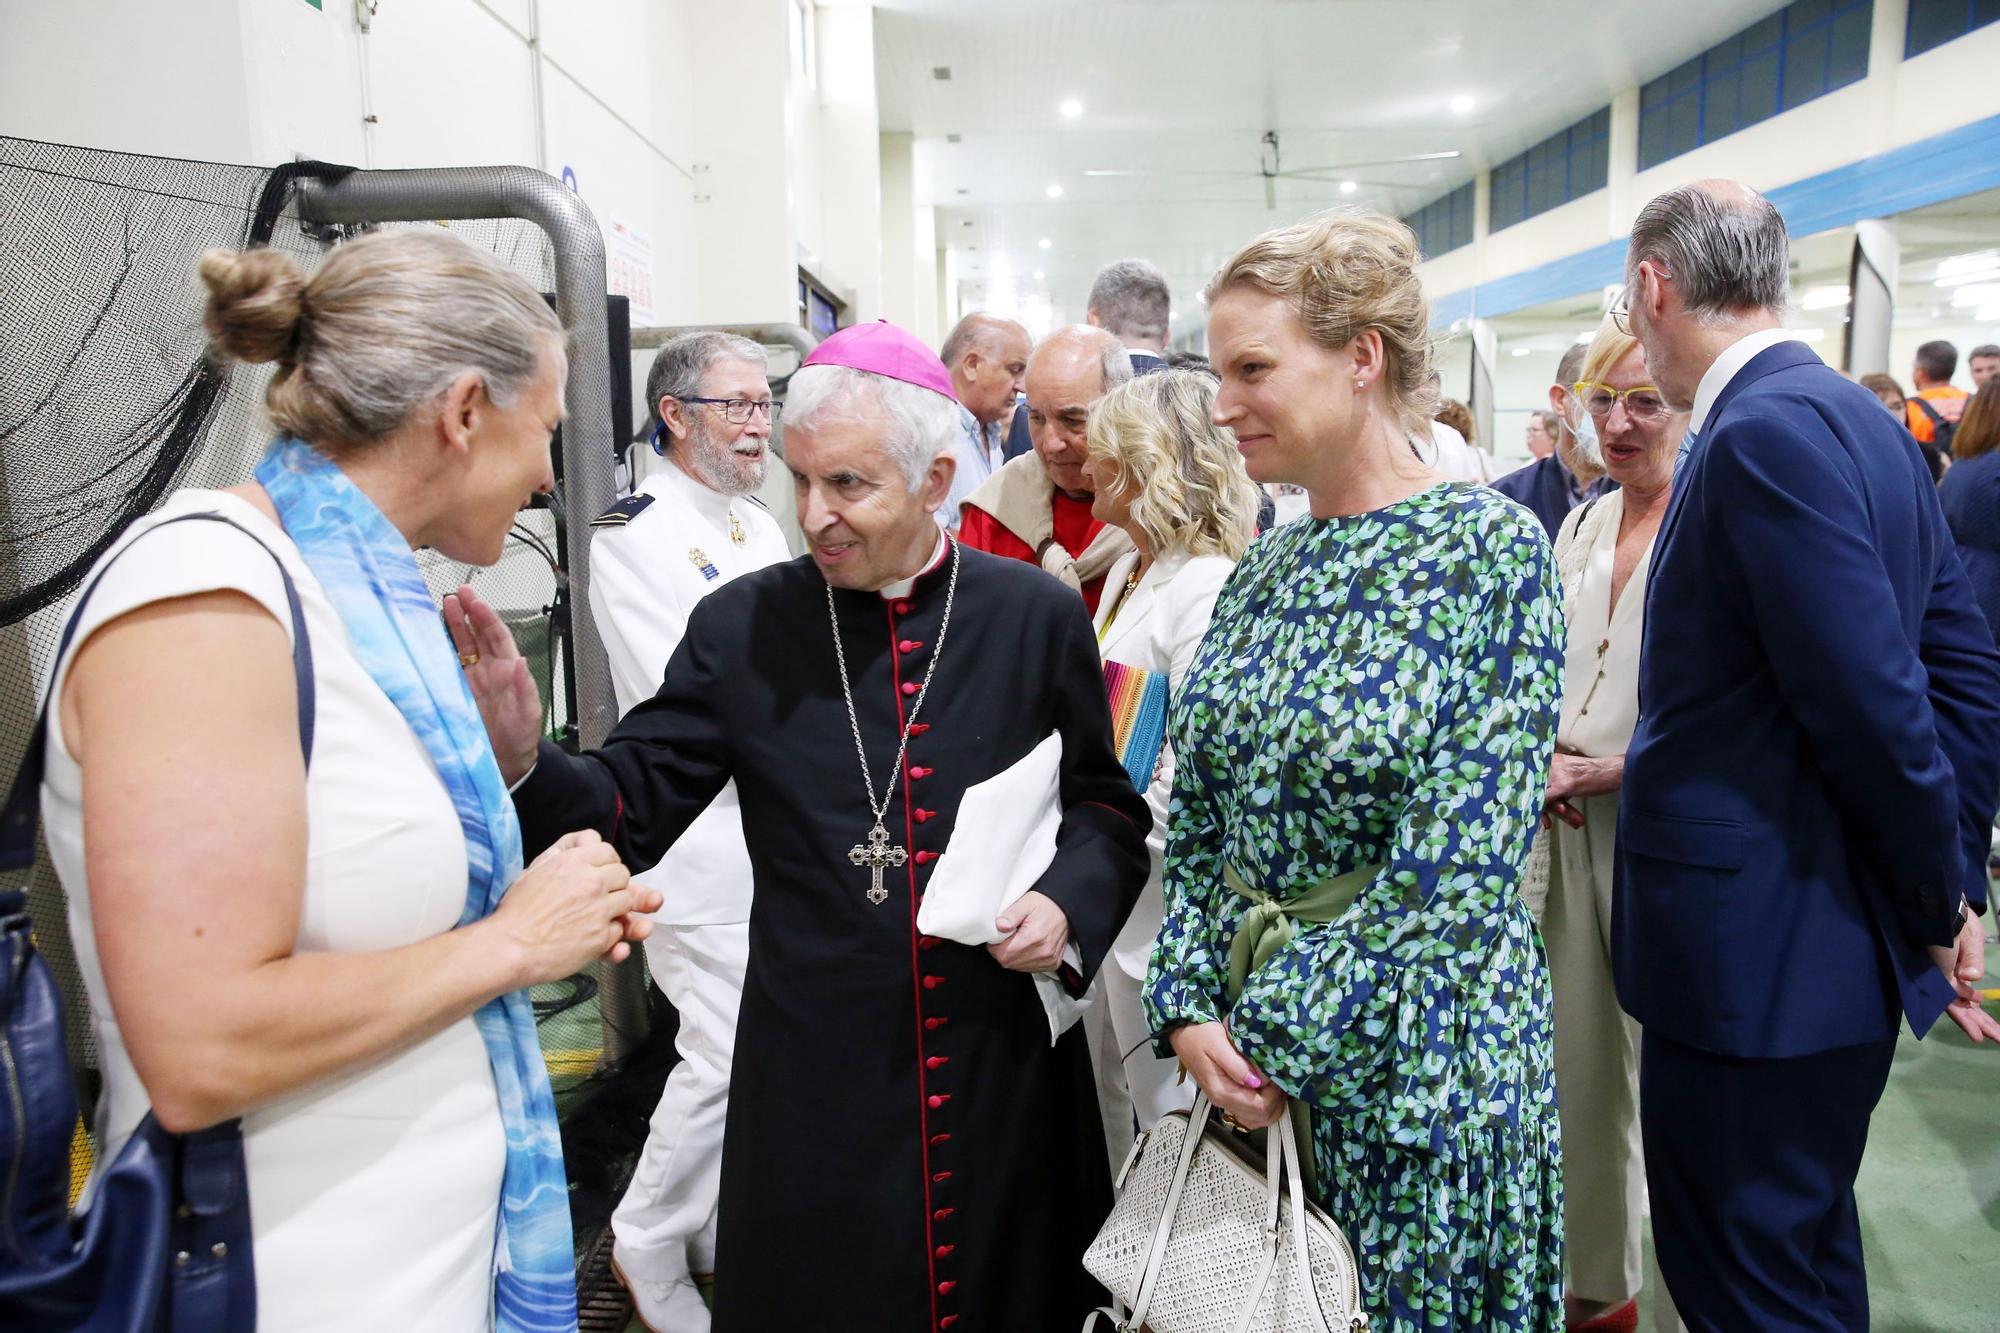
(691, 526)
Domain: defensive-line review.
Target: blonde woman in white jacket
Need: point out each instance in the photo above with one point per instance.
(1174, 482)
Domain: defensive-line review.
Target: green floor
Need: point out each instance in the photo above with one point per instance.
(1930, 1187)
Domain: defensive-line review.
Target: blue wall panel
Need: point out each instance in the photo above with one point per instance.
(1945, 166)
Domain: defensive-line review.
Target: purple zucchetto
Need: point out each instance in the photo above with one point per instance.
(883, 349)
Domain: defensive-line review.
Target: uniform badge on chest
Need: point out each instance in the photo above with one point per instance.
(736, 532)
(699, 559)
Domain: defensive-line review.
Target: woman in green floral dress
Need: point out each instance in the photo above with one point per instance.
(1364, 740)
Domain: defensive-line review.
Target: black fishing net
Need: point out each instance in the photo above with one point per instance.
(108, 402)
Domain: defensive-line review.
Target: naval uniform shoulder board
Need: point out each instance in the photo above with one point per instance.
(623, 512)
(755, 501)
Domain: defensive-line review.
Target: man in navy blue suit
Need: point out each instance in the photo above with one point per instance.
(1810, 791)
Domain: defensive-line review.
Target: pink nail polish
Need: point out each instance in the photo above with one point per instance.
(1253, 1082)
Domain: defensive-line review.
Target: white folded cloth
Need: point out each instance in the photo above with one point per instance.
(1002, 844)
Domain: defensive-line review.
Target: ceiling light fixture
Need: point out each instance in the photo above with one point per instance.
(1070, 108)
(1349, 187)
(1045, 243)
(1824, 298)
(1054, 191)
(1039, 275)
(1522, 351)
(1461, 104)
(1979, 261)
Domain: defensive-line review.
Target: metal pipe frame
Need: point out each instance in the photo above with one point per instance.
(771, 335)
(589, 483)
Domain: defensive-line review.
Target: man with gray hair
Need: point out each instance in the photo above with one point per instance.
(1131, 301)
(1810, 790)
(907, 1149)
(1037, 508)
(988, 358)
(692, 526)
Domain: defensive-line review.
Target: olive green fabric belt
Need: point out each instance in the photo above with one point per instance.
(1268, 927)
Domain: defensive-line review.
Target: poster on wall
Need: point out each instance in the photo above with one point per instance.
(629, 269)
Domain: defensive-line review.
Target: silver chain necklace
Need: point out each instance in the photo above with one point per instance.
(880, 854)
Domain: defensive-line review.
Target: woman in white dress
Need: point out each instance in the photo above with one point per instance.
(1604, 550)
(1173, 480)
(322, 948)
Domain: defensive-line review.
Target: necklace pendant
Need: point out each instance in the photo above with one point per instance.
(876, 857)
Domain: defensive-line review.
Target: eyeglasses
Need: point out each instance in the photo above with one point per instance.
(1642, 401)
(738, 411)
(1621, 305)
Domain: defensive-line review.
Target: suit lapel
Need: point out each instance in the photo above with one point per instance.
(1782, 356)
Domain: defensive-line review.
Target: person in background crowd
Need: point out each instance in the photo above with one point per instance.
(693, 526)
(1037, 507)
(1459, 417)
(1936, 403)
(988, 360)
(1360, 750)
(1573, 471)
(1132, 302)
(1970, 494)
(1890, 395)
(304, 940)
(1985, 364)
(1809, 792)
(1445, 450)
(1544, 429)
(1604, 552)
(1164, 472)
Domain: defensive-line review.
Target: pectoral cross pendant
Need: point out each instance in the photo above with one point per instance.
(877, 856)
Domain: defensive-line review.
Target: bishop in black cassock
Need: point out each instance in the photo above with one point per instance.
(905, 1150)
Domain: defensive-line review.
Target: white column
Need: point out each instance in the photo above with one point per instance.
(850, 153)
(738, 59)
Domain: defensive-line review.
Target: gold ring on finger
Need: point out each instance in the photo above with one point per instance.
(468, 659)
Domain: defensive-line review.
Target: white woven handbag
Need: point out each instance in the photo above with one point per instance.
(1200, 1241)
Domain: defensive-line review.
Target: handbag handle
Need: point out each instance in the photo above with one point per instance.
(1284, 1183)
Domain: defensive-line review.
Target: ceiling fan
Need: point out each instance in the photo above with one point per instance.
(1271, 171)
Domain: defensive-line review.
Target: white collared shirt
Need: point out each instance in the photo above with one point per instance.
(1726, 368)
(980, 450)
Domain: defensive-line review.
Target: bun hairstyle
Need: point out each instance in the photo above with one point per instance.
(384, 327)
(1343, 273)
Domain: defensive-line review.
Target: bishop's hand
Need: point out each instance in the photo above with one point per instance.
(508, 702)
(1037, 932)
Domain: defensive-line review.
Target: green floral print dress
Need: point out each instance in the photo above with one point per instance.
(1382, 690)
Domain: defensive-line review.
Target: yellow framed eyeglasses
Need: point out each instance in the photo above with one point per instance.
(1642, 401)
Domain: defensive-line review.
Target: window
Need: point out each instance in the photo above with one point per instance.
(1443, 225)
(1567, 165)
(1805, 50)
(1935, 22)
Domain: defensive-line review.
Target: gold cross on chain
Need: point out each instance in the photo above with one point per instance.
(878, 855)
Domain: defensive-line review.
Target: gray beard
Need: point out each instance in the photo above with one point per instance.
(717, 467)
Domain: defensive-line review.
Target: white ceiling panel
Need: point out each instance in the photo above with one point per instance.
(1180, 95)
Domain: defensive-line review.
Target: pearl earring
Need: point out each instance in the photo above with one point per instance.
(1360, 386)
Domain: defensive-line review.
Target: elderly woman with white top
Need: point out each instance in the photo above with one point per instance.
(1174, 481)
(1604, 551)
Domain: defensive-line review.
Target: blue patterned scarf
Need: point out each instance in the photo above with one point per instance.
(369, 575)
